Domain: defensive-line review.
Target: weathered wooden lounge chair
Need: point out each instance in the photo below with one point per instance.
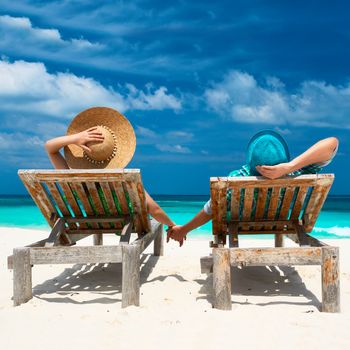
(79, 203)
(285, 207)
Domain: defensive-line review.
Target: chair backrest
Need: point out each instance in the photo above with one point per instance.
(77, 195)
(259, 205)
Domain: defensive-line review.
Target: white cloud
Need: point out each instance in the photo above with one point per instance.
(19, 141)
(183, 135)
(29, 88)
(241, 98)
(20, 30)
(173, 148)
(174, 140)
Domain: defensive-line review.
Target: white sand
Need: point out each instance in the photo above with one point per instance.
(79, 307)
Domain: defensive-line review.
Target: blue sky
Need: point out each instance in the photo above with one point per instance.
(196, 80)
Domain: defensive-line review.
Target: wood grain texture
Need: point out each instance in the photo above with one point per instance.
(251, 181)
(235, 203)
(158, 248)
(330, 279)
(218, 192)
(109, 198)
(39, 196)
(131, 275)
(318, 197)
(299, 202)
(79, 189)
(260, 206)
(72, 201)
(97, 203)
(222, 279)
(248, 203)
(22, 276)
(275, 256)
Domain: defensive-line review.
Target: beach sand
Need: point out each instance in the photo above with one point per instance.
(79, 306)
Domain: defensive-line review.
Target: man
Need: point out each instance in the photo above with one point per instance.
(267, 155)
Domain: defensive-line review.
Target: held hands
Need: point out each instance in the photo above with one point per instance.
(274, 171)
(86, 136)
(177, 233)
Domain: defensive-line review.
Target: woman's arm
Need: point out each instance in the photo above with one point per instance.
(321, 151)
(53, 146)
(157, 212)
(179, 232)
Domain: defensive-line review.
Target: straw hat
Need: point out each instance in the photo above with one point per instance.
(115, 151)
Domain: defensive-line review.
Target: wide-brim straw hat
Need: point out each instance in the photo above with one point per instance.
(267, 147)
(117, 148)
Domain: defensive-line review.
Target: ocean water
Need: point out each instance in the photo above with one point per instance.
(333, 222)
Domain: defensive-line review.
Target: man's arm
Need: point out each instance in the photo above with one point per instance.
(321, 151)
(157, 212)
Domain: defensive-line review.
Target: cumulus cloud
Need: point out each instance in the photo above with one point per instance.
(65, 94)
(241, 98)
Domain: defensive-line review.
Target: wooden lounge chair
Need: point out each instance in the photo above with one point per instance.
(79, 203)
(285, 207)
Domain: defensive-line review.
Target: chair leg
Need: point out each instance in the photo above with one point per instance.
(22, 276)
(330, 279)
(130, 275)
(98, 239)
(278, 240)
(222, 279)
(158, 245)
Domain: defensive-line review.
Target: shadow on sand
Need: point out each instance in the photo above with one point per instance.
(263, 281)
(103, 279)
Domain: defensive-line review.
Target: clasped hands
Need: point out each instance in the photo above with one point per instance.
(177, 233)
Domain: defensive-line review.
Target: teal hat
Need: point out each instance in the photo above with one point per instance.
(267, 147)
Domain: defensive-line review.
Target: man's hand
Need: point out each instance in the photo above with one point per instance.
(274, 171)
(177, 233)
(86, 136)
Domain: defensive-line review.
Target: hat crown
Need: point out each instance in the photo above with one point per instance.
(118, 145)
(266, 148)
(102, 151)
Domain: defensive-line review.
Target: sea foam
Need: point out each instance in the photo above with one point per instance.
(334, 230)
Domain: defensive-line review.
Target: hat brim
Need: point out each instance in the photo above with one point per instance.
(123, 130)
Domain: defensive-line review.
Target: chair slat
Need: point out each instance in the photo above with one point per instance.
(39, 196)
(260, 206)
(59, 202)
(275, 196)
(109, 198)
(120, 193)
(218, 191)
(83, 197)
(318, 197)
(235, 198)
(299, 202)
(97, 201)
(286, 204)
(248, 203)
(132, 192)
(72, 202)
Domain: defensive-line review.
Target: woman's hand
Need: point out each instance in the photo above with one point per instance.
(86, 136)
(177, 233)
(274, 171)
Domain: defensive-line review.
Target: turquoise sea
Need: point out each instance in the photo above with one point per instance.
(333, 222)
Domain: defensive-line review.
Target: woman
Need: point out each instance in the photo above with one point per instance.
(267, 155)
(99, 137)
